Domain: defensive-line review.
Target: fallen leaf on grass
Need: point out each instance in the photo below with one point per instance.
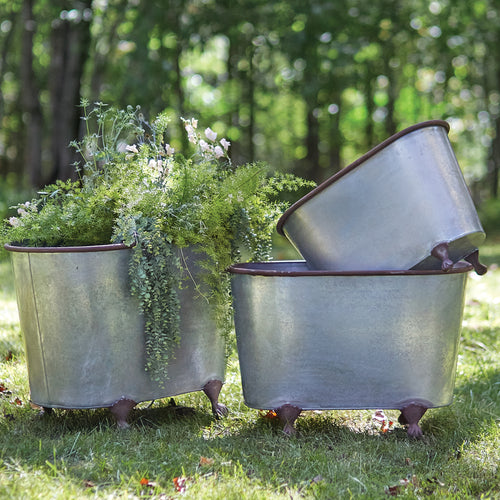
(206, 462)
(146, 482)
(180, 484)
(9, 356)
(4, 390)
(393, 490)
(269, 415)
(88, 484)
(403, 483)
(17, 402)
(435, 480)
(386, 424)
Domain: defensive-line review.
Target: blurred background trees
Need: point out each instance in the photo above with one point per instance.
(307, 86)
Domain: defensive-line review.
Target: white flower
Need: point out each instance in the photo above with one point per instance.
(22, 212)
(225, 144)
(194, 123)
(169, 149)
(218, 152)
(204, 146)
(190, 132)
(152, 164)
(14, 221)
(210, 134)
(132, 148)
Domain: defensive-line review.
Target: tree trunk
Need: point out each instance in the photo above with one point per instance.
(335, 144)
(6, 48)
(251, 104)
(494, 155)
(311, 169)
(392, 91)
(237, 150)
(179, 91)
(70, 43)
(5, 164)
(370, 108)
(109, 37)
(30, 100)
(494, 164)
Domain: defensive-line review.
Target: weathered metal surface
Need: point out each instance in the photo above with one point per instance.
(389, 209)
(326, 340)
(84, 334)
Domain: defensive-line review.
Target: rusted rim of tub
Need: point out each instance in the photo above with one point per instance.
(84, 248)
(259, 269)
(352, 166)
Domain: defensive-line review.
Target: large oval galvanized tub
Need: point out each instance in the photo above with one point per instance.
(389, 209)
(345, 340)
(84, 335)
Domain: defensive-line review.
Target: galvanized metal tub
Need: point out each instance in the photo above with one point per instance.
(84, 335)
(390, 209)
(320, 340)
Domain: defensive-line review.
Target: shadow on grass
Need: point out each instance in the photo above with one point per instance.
(476, 404)
(58, 421)
(475, 409)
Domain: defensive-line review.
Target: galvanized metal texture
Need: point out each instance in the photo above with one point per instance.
(326, 340)
(389, 209)
(84, 334)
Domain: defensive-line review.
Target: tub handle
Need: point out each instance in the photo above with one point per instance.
(441, 252)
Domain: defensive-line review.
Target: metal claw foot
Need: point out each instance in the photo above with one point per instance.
(120, 411)
(441, 252)
(212, 389)
(288, 414)
(473, 259)
(410, 416)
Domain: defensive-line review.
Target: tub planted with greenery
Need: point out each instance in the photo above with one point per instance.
(121, 275)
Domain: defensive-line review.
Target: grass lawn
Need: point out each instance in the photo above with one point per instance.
(335, 454)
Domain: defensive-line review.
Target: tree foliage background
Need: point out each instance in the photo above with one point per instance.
(306, 86)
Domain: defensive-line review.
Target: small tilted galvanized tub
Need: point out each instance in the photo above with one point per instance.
(317, 340)
(403, 205)
(84, 334)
